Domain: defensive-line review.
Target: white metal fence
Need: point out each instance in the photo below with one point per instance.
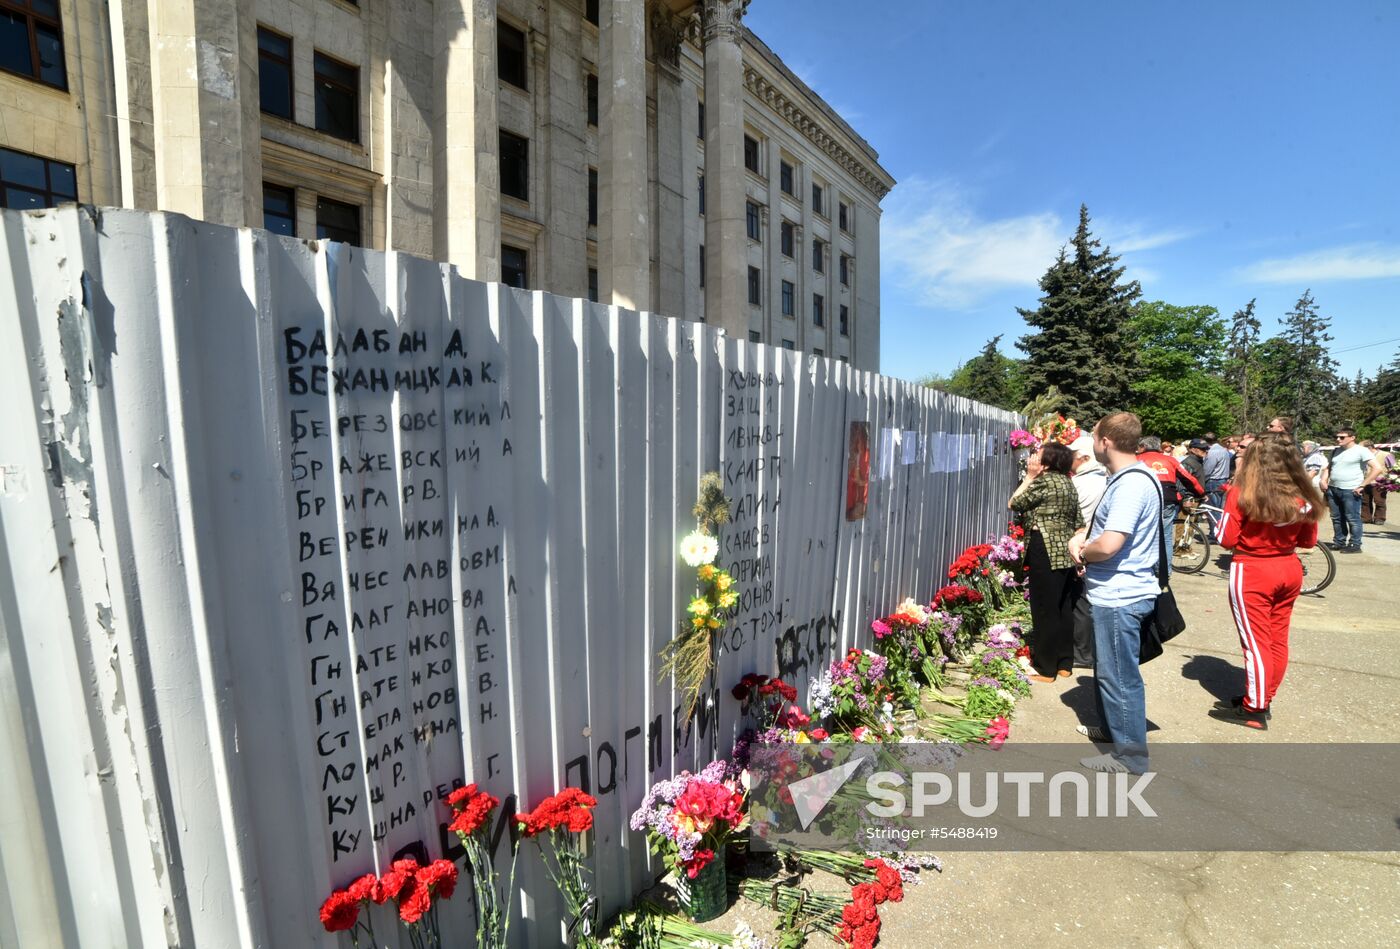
(298, 536)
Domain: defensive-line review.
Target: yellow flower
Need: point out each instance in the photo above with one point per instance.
(801, 739)
(727, 600)
(714, 622)
(699, 606)
(724, 581)
(707, 573)
(699, 622)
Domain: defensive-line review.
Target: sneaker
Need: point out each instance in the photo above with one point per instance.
(1333, 545)
(1238, 702)
(1092, 732)
(1348, 550)
(1259, 721)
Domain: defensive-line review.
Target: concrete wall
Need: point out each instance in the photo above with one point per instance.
(294, 537)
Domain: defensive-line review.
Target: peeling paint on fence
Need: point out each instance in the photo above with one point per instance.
(329, 532)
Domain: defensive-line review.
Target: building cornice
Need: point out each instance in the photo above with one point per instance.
(875, 179)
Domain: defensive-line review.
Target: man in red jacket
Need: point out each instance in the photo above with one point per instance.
(1175, 479)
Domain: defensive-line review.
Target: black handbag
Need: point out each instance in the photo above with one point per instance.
(1165, 621)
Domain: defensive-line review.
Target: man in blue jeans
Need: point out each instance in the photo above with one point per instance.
(1119, 553)
(1216, 472)
(1352, 468)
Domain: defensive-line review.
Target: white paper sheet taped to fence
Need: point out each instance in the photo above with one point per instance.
(298, 537)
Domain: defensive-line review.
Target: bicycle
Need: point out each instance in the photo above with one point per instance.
(1191, 549)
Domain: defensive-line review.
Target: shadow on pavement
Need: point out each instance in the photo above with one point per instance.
(1080, 699)
(1218, 676)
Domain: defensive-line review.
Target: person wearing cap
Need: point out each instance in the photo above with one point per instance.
(1194, 459)
(1090, 479)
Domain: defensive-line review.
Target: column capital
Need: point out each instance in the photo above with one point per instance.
(719, 19)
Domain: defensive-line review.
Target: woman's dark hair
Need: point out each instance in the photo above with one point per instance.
(1056, 457)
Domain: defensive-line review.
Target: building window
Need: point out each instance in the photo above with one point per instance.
(592, 100)
(590, 11)
(755, 336)
(515, 266)
(337, 98)
(593, 197)
(843, 219)
(845, 268)
(789, 294)
(593, 284)
(515, 165)
(818, 256)
(818, 310)
(787, 235)
(700, 126)
(274, 73)
(817, 352)
(751, 153)
(842, 359)
(755, 286)
(702, 266)
(785, 177)
(789, 344)
(751, 221)
(28, 181)
(700, 192)
(845, 320)
(280, 210)
(31, 41)
(510, 55)
(817, 199)
(337, 221)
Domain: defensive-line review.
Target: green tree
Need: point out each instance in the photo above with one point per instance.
(1311, 373)
(1080, 342)
(991, 377)
(1241, 364)
(1385, 393)
(1180, 351)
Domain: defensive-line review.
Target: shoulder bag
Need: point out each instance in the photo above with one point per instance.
(1165, 621)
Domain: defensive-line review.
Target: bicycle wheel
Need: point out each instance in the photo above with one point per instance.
(1190, 547)
(1319, 568)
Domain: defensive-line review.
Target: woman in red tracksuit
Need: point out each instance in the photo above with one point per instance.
(1271, 510)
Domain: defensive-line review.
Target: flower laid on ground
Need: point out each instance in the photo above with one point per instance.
(852, 691)
(689, 819)
(969, 562)
(997, 731)
(907, 643)
(560, 821)
(471, 811)
(412, 888)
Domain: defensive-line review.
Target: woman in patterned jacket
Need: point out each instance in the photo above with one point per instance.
(1049, 503)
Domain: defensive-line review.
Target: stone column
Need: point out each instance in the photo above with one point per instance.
(204, 98)
(561, 111)
(624, 251)
(726, 270)
(466, 169)
(673, 123)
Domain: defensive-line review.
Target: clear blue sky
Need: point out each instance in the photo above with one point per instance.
(1228, 149)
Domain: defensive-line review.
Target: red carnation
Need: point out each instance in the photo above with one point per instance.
(339, 911)
(416, 903)
(363, 888)
(391, 883)
(819, 734)
(570, 808)
(440, 876)
(471, 809)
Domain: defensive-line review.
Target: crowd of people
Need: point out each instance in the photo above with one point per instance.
(1099, 514)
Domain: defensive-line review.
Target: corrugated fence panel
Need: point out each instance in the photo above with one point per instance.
(298, 537)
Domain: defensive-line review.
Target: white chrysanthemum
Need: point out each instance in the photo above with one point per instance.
(1006, 696)
(913, 610)
(698, 549)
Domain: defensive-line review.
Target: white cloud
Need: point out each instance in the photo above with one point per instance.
(1351, 262)
(942, 249)
(953, 258)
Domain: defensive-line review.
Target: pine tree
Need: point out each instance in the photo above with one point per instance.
(1385, 391)
(990, 377)
(1311, 373)
(1082, 344)
(1241, 365)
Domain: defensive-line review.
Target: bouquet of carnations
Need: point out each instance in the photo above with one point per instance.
(1023, 439)
(1056, 428)
(959, 615)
